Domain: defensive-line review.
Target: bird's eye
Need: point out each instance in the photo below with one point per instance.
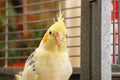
(50, 32)
(66, 36)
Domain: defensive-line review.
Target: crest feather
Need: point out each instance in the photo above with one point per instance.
(59, 16)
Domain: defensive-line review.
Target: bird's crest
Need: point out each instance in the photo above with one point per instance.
(59, 20)
(59, 16)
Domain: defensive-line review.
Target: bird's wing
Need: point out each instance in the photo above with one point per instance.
(31, 57)
(29, 72)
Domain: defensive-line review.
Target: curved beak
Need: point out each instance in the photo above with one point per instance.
(59, 37)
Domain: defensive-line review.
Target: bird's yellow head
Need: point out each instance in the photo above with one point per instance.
(55, 37)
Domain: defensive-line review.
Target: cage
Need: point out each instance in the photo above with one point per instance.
(115, 19)
(93, 35)
(22, 26)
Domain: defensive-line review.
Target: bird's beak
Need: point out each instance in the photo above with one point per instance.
(59, 37)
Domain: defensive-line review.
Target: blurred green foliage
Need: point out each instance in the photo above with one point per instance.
(18, 36)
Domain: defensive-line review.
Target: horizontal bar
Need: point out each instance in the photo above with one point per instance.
(31, 48)
(114, 44)
(73, 36)
(74, 56)
(116, 74)
(16, 32)
(72, 17)
(36, 21)
(42, 11)
(32, 4)
(35, 30)
(25, 57)
(23, 40)
(31, 13)
(29, 22)
(73, 27)
(73, 46)
(114, 22)
(115, 68)
(33, 39)
(2, 0)
(114, 33)
(17, 49)
(10, 71)
(13, 71)
(115, 54)
(1, 58)
(16, 57)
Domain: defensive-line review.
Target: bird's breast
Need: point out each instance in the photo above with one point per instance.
(55, 67)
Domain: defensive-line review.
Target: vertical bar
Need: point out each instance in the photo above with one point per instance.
(59, 6)
(85, 41)
(6, 37)
(114, 31)
(96, 42)
(100, 40)
(118, 31)
(24, 18)
(106, 39)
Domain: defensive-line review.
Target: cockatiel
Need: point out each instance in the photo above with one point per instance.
(50, 61)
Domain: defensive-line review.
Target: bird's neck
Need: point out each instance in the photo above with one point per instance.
(53, 47)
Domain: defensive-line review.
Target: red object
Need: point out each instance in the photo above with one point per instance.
(16, 65)
(114, 15)
(114, 18)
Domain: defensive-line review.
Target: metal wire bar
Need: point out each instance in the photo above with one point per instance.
(114, 22)
(2, 0)
(31, 48)
(38, 21)
(114, 44)
(12, 71)
(16, 32)
(119, 31)
(23, 40)
(115, 54)
(114, 31)
(25, 57)
(74, 56)
(73, 27)
(74, 36)
(36, 30)
(6, 37)
(33, 4)
(42, 11)
(73, 46)
(33, 39)
(29, 22)
(18, 49)
(16, 57)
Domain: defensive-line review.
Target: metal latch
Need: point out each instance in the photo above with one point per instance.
(92, 0)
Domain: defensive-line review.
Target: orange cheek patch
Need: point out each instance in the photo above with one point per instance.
(45, 38)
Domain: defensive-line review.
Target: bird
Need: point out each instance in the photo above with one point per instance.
(50, 60)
